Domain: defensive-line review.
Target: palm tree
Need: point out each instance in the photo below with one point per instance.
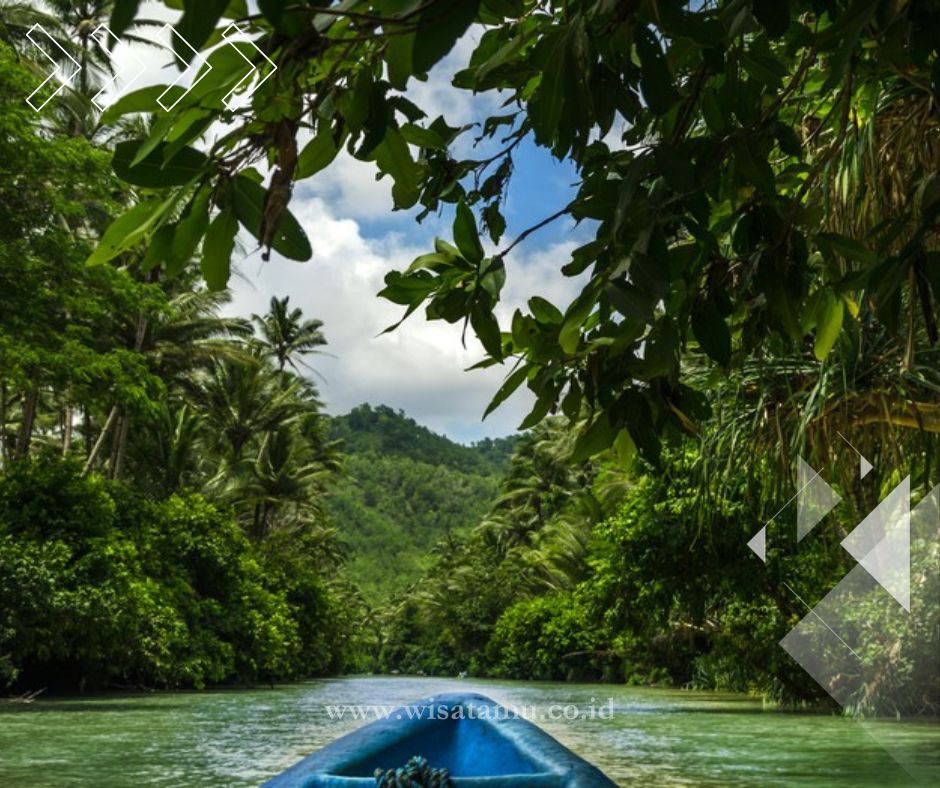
(80, 19)
(192, 334)
(18, 18)
(245, 401)
(285, 485)
(286, 336)
(541, 524)
(178, 341)
(540, 483)
(74, 26)
(170, 449)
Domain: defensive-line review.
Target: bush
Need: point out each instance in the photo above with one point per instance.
(100, 586)
(545, 638)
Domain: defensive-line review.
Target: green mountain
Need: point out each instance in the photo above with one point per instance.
(405, 489)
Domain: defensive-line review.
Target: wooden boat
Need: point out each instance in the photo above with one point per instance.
(478, 741)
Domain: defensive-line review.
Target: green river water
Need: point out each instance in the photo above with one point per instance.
(655, 737)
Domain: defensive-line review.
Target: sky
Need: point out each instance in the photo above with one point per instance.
(357, 238)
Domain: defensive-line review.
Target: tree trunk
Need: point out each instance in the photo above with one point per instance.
(120, 449)
(67, 417)
(25, 436)
(4, 452)
(93, 455)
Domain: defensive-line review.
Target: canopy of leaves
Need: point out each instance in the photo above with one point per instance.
(724, 160)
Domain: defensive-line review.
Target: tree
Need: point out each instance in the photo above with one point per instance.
(286, 336)
(62, 319)
(79, 29)
(727, 216)
(242, 401)
(122, 392)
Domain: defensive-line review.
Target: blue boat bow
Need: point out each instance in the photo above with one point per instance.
(478, 741)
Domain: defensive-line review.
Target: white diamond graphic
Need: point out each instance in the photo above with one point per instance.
(882, 543)
(815, 499)
(758, 543)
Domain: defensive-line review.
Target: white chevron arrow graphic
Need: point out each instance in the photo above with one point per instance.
(108, 41)
(229, 34)
(198, 62)
(64, 72)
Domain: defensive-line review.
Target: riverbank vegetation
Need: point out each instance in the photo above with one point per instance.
(163, 466)
(757, 280)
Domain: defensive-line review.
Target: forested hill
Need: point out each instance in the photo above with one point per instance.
(404, 490)
(386, 431)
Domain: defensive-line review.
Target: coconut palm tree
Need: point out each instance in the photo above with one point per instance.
(242, 402)
(286, 336)
(192, 334)
(284, 485)
(75, 25)
(80, 20)
(18, 18)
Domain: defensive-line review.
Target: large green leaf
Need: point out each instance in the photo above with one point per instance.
(630, 301)
(593, 439)
(153, 172)
(569, 337)
(829, 313)
(248, 198)
(753, 170)
(656, 80)
(143, 100)
(316, 155)
(189, 231)
(625, 449)
(394, 157)
(550, 98)
(774, 15)
(399, 55)
(125, 231)
(122, 15)
(159, 249)
(543, 404)
(466, 235)
(847, 247)
(641, 424)
(196, 25)
(486, 327)
(425, 138)
(712, 332)
(217, 250)
(439, 27)
(509, 386)
(545, 311)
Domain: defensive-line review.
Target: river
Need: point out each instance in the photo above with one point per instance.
(646, 737)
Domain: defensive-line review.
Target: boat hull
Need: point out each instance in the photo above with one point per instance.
(478, 741)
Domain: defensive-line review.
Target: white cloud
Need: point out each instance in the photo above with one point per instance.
(350, 186)
(419, 368)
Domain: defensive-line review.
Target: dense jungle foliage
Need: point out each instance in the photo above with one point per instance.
(761, 183)
(162, 517)
(583, 571)
(405, 489)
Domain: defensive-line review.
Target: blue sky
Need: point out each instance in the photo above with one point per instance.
(540, 185)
